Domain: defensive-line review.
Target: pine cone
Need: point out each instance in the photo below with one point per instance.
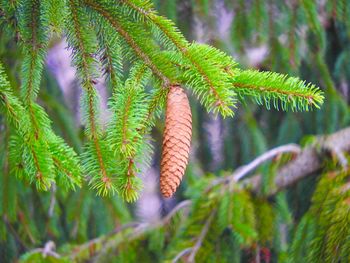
(176, 140)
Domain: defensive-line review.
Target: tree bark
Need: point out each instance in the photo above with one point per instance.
(307, 162)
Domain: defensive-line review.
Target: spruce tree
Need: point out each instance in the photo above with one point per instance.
(102, 35)
(74, 187)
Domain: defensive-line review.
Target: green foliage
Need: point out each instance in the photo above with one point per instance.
(237, 211)
(37, 155)
(281, 91)
(322, 232)
(130, 109)
(33, 27)
(208, 76)
(115, 32)
(139, 53)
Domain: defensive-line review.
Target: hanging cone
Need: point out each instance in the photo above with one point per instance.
(176, 140)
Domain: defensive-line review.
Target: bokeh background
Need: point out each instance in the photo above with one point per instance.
(311, 41)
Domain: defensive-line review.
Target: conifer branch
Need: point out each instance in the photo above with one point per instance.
(110, 16)
(7, 16)
(200, 61)
(306, 163)
(242, 171)
(85, 67)
(281, 91)
(181, 254)
(38, 157)
(146, 13)
(129, 231)
(110, 68)
(33, 30)
(33, 152)
(66, 162)
(81, 42)
(15, 111)
(110, 51)
(201, 237)
(113, 32)
(53, 8)
(125, 133)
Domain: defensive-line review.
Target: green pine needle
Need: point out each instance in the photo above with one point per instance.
(276, 90)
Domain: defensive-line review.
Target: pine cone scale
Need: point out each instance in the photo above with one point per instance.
(181, 163)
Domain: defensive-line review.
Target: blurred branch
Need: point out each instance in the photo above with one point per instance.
(307, 161)
(47, 250)
(130, 231)
(176, 209)
(244, 170)
(289, 148)
(201, 237)
(14, 232)
(181, 254)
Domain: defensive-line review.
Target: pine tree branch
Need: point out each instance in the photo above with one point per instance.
(246, 169)
(33, 41)
(110, 51)
(309, 161)
(125, 131)
(151, 15)
(85, 68)
(34, 22)
(201, 237)
(177, 208)
(21, 119)
(87, 82)
(129, 231)
(176, 38)
(129, 40)
(281, 90)
(10, 104)
(33, 46)
(181, 254)
(243, 171)
(109, 66)
(271, 90)
(34, 34)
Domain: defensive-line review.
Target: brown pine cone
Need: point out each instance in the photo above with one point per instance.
(176, 140)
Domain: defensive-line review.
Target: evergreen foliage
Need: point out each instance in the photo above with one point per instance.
(139, 53)
(110, 30)
(272, 88)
